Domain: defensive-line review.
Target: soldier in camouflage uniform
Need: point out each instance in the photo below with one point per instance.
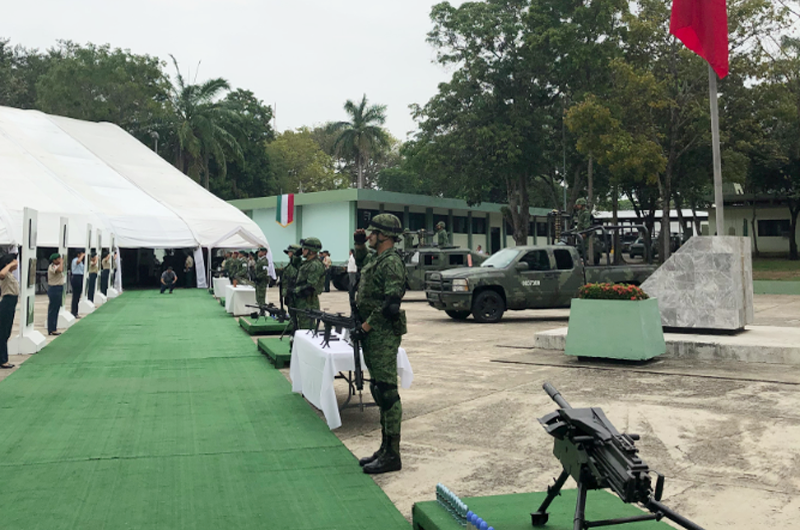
(583, 221)
(289, 273)
(261, 276)
(310, 281)
(442, 239)
(380, 293)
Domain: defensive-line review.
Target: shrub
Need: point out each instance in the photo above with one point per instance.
(611, 291)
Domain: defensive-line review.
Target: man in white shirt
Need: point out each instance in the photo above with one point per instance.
(352, 268)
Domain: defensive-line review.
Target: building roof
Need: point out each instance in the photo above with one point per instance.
(386, 197)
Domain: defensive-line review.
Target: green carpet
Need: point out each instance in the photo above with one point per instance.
(776, 287)
(277, 350)
(513, 512)
(156, 412)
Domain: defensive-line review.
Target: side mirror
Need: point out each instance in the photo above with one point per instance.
(522, 266)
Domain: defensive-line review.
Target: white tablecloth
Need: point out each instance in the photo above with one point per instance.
(219, 286)
(236, 299)
(313, 370)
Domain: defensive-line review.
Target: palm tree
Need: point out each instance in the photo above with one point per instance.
(362, 136)
(201, 123)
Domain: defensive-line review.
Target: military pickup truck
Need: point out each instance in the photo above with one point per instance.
(424, 260)
(535, 277)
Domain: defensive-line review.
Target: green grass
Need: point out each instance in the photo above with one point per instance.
(158, 412)
(776, 269)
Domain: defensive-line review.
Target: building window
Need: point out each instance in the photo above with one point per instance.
(441, 218)
(541, 229)
(416, 221)
(774, 228)
(478, 225)
(365, 216)
(460, 225)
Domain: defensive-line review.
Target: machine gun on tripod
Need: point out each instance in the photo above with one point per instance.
(598, 456)
(269, 309)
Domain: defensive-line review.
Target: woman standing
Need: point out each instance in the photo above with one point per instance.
(9, 293)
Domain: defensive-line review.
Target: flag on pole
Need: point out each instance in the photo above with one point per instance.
(702, 25)
(284, 214)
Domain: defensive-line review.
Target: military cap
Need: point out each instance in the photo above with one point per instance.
(54, 256)
(386, 223)
(292, 248)
(312, 243)
(262, 249)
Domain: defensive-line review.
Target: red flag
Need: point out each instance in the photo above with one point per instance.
(702, 25)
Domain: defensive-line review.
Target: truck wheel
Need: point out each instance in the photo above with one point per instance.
(488, 307)
(457, 315)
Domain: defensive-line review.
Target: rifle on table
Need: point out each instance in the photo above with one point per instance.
(269, 309)
(331, 321)
(598, 456)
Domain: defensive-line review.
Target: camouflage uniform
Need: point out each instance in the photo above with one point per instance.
(442, 238)
(583, 221)
(382, 287)
(310, 282)
(262, 278)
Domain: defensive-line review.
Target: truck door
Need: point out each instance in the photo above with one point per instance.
(569, 278)
(540, 281)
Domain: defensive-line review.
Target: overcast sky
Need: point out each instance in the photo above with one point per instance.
(306, 56)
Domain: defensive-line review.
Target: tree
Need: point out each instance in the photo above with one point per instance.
(252, 175)
(203, 126)
(361, 138)
(20, 69)
(98, 83)
(299, 165)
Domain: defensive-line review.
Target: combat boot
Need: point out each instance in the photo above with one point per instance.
(388, 461)
(367, 459)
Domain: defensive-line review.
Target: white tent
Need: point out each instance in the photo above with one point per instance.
(98, 173)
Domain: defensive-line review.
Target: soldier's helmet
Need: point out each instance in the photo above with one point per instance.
(440, 224)
(580, 202)
(292, 248)
(386, 224)
(312, 243)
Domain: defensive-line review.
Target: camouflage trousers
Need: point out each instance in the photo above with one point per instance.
(380, 356)
(310, 302)
(261, 293)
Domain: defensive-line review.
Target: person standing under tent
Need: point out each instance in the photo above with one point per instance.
(188, 271)
(76, 281)
(105, 271)
(9, 294)
(55, 291)
(94, 269)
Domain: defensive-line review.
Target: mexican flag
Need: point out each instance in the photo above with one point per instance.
(284, 213)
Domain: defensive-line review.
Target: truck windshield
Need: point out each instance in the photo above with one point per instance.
(502, 259)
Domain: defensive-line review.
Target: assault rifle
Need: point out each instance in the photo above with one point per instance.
(269, 309)
(597, 456)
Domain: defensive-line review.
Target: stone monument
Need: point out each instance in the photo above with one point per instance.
(706, 284)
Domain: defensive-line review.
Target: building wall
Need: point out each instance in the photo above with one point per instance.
(279, 237)
(735, 218)
(330, 222)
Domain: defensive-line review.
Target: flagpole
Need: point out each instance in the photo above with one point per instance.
(718, 200)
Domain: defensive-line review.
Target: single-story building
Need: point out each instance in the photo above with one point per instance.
(773, 221)
(333, 216)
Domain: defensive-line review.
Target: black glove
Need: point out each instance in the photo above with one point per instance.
(358, 334)
(360, 238)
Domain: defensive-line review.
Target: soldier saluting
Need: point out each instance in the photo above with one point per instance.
(380, 292)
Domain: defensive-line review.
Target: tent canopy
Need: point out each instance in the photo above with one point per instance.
(97, 173)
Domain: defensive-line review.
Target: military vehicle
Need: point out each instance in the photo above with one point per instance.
(527, 277)
(425, 260)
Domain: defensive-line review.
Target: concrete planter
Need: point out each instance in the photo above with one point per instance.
(615, 329)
